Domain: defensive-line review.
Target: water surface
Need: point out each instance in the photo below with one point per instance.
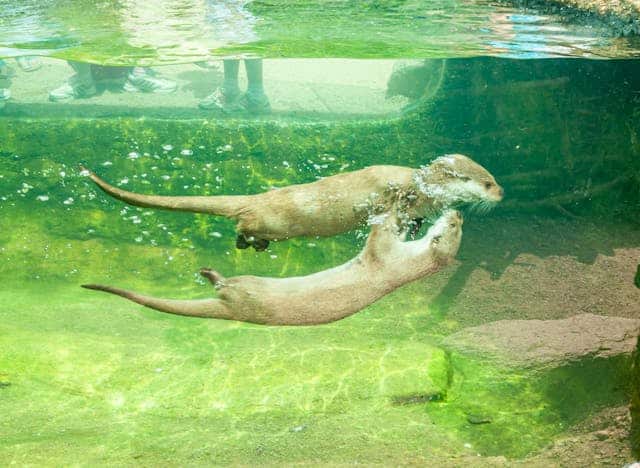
(155, 32)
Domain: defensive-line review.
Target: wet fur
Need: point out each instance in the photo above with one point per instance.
(386, 263)
(334, 204)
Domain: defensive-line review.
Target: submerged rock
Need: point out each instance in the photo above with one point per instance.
(417, 398)
(478, 419)
(537, 343)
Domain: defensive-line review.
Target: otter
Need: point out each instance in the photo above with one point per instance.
(386, 262)
(337, 203)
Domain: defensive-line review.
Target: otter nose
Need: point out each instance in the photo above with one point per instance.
(501, 192)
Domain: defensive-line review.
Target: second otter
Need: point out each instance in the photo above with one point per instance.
(334, 204)
(386, 263)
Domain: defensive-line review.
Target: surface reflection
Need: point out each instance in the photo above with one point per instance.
(158, 32)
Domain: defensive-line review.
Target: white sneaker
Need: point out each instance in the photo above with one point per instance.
(74, 88)
(256, 103)
(145, 82)
(222, 101)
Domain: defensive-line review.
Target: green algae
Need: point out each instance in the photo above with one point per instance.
(514, 412)
(99, 375)
(88, 378)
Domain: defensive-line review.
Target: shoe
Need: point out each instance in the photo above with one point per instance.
(222, 101)
(74, 88)
(255, 103)
(28, 63)
(146, 82)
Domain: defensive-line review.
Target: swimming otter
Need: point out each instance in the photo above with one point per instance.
(335, 204)
(386, 263)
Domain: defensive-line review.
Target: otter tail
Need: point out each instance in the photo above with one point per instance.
(207, 308)
(228, 206)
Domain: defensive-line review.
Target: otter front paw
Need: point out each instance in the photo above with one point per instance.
(213, 276)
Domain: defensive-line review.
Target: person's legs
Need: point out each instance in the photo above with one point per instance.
(226, 97)
(230, 85)
(255, 99)
(80, 85)
(83, 71)
(254, 76)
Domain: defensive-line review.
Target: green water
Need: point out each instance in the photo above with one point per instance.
(91, 379)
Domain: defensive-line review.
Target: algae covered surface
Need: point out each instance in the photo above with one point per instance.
(89, 378)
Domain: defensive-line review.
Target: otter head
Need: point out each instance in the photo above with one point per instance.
(445, 234)
(455, 179)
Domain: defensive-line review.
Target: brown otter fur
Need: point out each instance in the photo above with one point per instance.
(334, 204)
(386, 263)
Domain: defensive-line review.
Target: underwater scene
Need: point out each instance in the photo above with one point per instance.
(320, 233)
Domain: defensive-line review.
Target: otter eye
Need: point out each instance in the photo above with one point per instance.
(488, 185)
(452, 225)
(464, 178)
(436, 239)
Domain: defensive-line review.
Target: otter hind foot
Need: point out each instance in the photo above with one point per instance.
(260, 245)
(242, 242)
